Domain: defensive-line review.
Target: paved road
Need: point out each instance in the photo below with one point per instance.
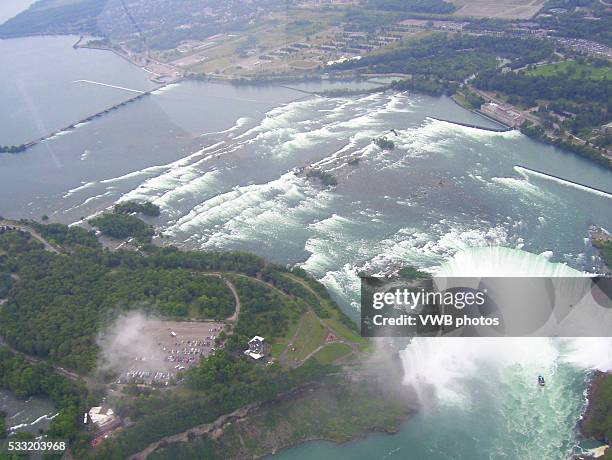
(60, 370)
(37, 236)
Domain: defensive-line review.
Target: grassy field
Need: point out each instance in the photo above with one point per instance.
(573, 70)
(333, 319)
(332, 352)
(279, 30)
(508, 9)
(308, 333)
(279, 345)
(311, 335)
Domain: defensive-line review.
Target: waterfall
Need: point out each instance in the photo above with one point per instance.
(495, 379)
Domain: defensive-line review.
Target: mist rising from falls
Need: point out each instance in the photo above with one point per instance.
(494, 380)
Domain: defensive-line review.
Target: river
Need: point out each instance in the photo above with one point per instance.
(31, 415)
(43, 86)
(223, 163)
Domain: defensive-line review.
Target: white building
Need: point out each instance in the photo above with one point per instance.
(101, 416)
(505, 114)
(256, 348)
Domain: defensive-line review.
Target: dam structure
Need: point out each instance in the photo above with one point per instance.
(138, 95)
(500, 129)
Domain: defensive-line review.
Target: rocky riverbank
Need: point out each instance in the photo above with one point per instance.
(595, 423)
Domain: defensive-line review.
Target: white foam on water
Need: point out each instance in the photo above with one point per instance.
(425, 139)
(331, 240)
(523, 187)
(589, 353)
(165, 89)
(289, 129)
(85, 185)
(341, 153)
(95, 197)
(334, 238)
(502, 261)
(282, 116)
(442, 241)
(240, 122)
(56, 135)
(252, 213)
(16, 427)
(170, 176)
(134, 174)
(534, 422)
(192, 188)
(475, 133)
(525, 172)
(398, 103)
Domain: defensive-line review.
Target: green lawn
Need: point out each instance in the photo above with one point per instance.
(332, 321)
(343, 331)
(574, 70)
(312, 334)
(330, 353)
(279, 345)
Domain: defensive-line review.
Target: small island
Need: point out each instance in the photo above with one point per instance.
(327, 179)
(384, 144)
(137, 207)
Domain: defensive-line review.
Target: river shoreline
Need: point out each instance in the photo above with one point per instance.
(391, 430)
(589, 415)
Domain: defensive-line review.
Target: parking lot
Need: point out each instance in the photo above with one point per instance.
(178, 346)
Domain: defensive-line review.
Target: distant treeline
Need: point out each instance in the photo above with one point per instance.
(585, 151)
(53, 17)
(576, 25)
(424, 84)
(412, 6)
(528, 89)
(452, 57)
(572, 23)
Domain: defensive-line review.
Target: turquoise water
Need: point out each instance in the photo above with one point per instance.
(479, 396)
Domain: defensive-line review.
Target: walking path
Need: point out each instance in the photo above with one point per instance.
(37, 236)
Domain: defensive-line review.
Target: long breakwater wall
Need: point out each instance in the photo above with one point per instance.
(500, 129)
(523, 170)
(99, 114)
